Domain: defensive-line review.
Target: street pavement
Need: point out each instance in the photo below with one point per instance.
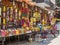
(49, 40)
(55, 41)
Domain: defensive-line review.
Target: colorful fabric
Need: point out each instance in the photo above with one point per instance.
(17, 32)
(36, 14)
(4, 8)
(4, 21)
(24, 11)
(33, 19)
(3, 33)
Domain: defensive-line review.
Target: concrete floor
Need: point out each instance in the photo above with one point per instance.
(48, 41)
(55, 41)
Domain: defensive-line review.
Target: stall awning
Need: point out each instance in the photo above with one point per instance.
(42, 5)
(53, 1)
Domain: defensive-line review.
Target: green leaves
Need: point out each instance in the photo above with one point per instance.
(58, 2)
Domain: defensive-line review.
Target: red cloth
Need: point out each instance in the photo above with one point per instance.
(18, 21)
(24, 10)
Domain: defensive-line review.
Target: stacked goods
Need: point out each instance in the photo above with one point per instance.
(4, 17)
(21, 17)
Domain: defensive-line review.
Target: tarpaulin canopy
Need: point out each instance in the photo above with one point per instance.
(53, 1)
(43, 5)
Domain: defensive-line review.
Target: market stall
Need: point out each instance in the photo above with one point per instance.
(21, 18)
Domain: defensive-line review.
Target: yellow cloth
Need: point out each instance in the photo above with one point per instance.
(43, 22)
(33, 19)
(48, 26)
(53, 21)
(36, 14)
(31, 28)
(11, 8)
(27, 28)
(19, 15)
(44, 27)
(37, 28)
(4, 21)
(4, 8)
